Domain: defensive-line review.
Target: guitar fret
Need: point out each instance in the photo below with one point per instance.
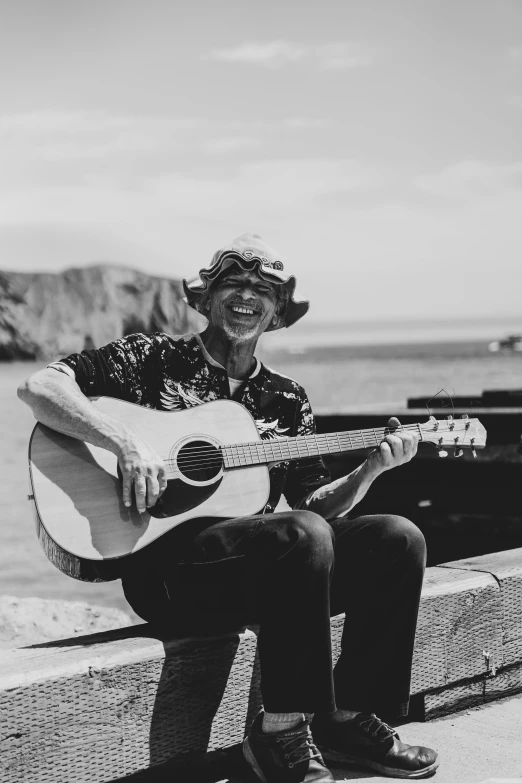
(268, 452)
(306, 446)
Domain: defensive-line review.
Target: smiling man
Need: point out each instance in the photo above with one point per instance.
(275, 569)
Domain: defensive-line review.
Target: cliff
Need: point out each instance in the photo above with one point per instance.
(44, 316)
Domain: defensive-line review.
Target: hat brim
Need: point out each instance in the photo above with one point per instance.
(195, 289)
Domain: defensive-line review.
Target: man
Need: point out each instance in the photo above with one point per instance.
(276, 569)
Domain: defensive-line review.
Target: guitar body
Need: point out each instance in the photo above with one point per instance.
(82, 523)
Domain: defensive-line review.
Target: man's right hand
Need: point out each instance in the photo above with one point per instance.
(143, 472)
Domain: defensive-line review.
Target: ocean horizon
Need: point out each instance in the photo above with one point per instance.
(308, 332)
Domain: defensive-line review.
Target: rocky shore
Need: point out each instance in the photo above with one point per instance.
(44, 316)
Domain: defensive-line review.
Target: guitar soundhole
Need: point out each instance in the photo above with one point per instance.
(199, 460)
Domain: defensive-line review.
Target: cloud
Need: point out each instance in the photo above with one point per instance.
(62, 122)
(268, 188)
(336, 56)
(271, 54)
(473, 180)
(79, 139)
(56, 135)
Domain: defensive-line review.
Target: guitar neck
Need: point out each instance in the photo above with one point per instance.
(264, 452)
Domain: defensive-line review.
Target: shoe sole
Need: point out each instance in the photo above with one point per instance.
(392, 772)
(251, 760)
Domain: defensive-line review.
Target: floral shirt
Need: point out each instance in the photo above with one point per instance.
(173, 373)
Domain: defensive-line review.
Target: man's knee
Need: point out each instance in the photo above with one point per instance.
(404, 533)
(311, 531)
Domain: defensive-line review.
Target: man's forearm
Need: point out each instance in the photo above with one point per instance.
(57, 401)
(340, 496)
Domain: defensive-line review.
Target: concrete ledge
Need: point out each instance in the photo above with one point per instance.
(100, 707)
(506, 568)
(460, 617)
(505, 682)
(502, 675)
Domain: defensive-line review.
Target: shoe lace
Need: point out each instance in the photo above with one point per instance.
(377, 727)
(299, 747)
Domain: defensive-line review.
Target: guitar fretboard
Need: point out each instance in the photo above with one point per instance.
(284, 449)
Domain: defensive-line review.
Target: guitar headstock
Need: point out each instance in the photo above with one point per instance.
(463, 433)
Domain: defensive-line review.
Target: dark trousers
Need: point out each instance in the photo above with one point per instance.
(289, 572)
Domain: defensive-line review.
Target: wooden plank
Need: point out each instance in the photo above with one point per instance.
(506, 567)
(459, 618)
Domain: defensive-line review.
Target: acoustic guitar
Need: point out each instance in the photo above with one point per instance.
(217, 466)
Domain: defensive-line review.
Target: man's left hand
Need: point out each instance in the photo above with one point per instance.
(395, 449)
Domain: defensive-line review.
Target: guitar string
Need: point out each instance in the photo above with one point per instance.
(322, 439)
(353, 434)
(322, 442)
(244, 461)
(209, 458)
(279, 443)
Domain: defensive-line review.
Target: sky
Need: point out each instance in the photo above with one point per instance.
(376, 145)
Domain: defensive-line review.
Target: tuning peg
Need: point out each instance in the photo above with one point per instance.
(442, 453)
(434, 422)
(466, 419)
(472, 441)
(458, 452)
(451, 422)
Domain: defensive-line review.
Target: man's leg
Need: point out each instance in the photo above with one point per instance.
(379, 568)
(380, 562)
(273, 569)
(285, 567)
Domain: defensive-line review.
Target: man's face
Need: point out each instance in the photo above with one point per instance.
(242, 304)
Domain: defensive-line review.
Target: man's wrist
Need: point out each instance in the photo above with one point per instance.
(371, 469)
(118, 439)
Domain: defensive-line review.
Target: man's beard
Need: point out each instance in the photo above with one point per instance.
(238, 333)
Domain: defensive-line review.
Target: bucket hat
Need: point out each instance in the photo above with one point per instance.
(250, 252)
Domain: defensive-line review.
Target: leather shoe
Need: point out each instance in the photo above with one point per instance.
(286, 757)
(366, 741)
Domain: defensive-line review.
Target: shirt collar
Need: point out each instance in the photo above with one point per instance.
(213, 362)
